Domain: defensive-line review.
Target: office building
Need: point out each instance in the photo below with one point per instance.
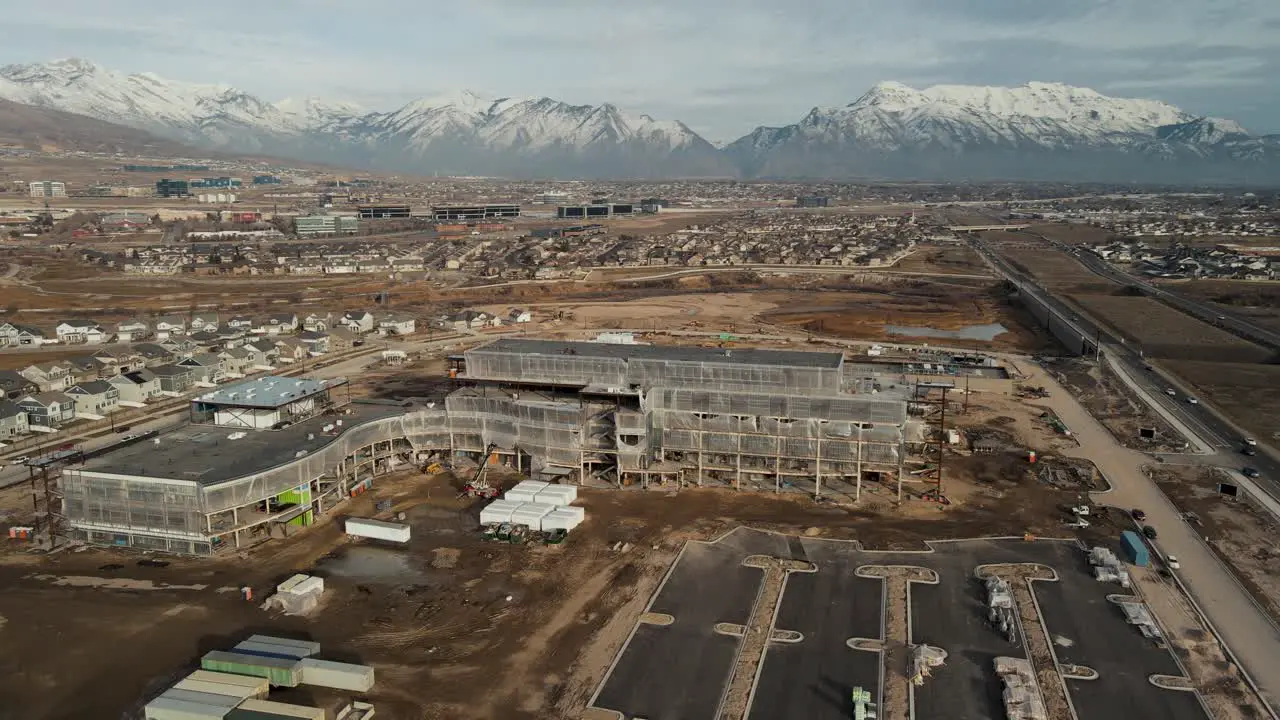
(47, 189)
(453, 213)
(812, 201)
(167, 188)
(383, 212)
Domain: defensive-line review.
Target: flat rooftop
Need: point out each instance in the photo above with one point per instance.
(204, 454)
(268, 391)
(670, 353)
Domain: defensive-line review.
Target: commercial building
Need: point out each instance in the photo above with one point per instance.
(603, 210)
(216, 198)
(812, 201)
(47, 189)
(167, 188)
(312, 225)
(266, 180)
(450, 213)
(383, 212)
(260, 456)
(216, 182)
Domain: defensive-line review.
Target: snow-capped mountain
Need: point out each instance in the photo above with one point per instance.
(1035, 131)
(461, 133)
(1038, 130)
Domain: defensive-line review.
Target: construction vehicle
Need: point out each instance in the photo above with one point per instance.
(434, 468)
(478, 486)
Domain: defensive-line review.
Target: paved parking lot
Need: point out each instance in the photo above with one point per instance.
(679, 671)
(1090, 630)
(815, 677)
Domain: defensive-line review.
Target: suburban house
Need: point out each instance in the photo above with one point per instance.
(236, 362)
(292, 350)
(130, 331)
(357, 321)
(136, 387)
(97, 397)
(153, 354)
(78, 332)
(472, 320)
(280, 324)
(15, 335)
(117, 360)
(397, 324)
(49, 409)
(14, 385)
(519, 316)
(174, 378)
(341, 338)
(244, 323)
(205, 367)
(48, 376)
(260, 357)
(204, 321)
(317, 322)
(316, 341)
(13, 419)
(168, 326)
(85, 368)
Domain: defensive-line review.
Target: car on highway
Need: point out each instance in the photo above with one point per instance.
(1251, 442)
(1249, 450)
(1249, 472)
(21, 459)
(1150, 532)
(1171, 392)
(1172, 562)
(1192, 401)
(1139, 514)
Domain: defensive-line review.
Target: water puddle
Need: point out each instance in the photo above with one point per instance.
(366, 563)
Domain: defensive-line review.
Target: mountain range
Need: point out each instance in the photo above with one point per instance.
(1038, 131)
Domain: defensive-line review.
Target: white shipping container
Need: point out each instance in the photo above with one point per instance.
(557, 494)
(560, 521)
(531, 514)
(336, 675)
(239, 692)
(378, 530)
(573, 511)
(292, 651)
(310, 646)
(284, 709)
(534, 485)
(519, 495)
(291, 583)
(259, 685)
(498, 511)
(170, 709)
(204, 698)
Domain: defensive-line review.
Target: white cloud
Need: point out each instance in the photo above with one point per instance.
(723, 66)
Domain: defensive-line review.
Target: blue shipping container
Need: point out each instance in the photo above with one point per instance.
(1135, 550)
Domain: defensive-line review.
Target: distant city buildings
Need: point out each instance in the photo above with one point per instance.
(47, 189)
(446, 213)
(577, 212)
(812, 201)
(313, 225)
(167, 188)
(383, 212)
(215, 182)
(266, 180)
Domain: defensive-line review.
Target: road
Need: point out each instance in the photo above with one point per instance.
(1247, 629)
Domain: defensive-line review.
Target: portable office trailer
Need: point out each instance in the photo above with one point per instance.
(282, 672)
(204, 698)
(378, 530)
(163, 708)
(257, 685)
(255, 709)
(336, 675)
(310, 646)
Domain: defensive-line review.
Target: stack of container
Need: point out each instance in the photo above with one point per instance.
(277, 647)
(526, 491)
(564, 518)
(498, 512)
(530, 514)
(241, 687)
(558, 495)
(279, 671)
(538, 505)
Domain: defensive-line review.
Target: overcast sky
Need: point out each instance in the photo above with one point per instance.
(721, 66)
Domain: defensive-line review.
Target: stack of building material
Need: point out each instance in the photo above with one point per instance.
(558, 495)
(279, 671)
(564, 518)
(269, 710)
(498, 512)
(298, 595)
(378, 530)
(242, 687)
(1021, 693)
(336, 675)
(526, 491)
(530, 514)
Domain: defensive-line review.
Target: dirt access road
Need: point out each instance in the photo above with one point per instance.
(1247, 629)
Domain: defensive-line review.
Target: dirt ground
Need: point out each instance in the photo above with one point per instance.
(1163, 332)
(1247, 393)
(1242, 534)
(1055, 269)
(1072, 233)
(1109, 400)
(947, 259)
(1259, 301)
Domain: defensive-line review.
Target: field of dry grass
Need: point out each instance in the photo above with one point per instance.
(1163, 332)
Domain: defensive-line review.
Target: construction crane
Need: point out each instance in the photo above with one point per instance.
(478, 486)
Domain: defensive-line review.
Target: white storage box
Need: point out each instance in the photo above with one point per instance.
(531, 514)
(283, 709)
(557, 520)
(336, 675)
(534, 485)
(573, 511)
(310, 646)
(291, 583)
(312, 584)
(378, 530)
(557, 495)
(520, 495)
(235, 692)
(498, 511)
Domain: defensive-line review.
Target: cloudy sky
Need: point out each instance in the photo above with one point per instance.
(722, 66)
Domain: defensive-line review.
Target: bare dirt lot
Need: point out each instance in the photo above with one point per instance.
(950, 259)
(1165, 333)
(1055, 269)
(1110, 401)
(1242, 534)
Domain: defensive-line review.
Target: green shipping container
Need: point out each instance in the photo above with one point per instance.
(281, 672)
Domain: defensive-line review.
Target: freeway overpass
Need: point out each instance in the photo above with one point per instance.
(985, 228)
